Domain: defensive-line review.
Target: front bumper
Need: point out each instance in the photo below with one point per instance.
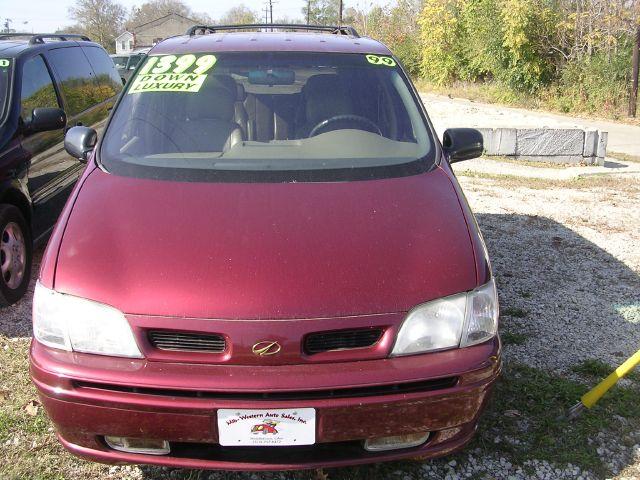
(89, 396)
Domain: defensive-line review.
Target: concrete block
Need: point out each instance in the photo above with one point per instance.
(553, 142)
(501, 141)
(507, 141)
(488, 141)
(603, 139)
(590, 143)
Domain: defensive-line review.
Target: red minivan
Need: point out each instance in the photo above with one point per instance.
(268, 264)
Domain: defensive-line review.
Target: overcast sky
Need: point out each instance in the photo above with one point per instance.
(48, 15)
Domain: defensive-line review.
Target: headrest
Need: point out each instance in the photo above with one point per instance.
(326, 96)
(212, 102)
(241, 93)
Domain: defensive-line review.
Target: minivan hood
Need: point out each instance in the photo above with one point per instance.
(265, 250)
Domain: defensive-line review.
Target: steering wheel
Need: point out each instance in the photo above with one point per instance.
(323, 126)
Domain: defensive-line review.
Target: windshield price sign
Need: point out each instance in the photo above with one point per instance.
(171, 73)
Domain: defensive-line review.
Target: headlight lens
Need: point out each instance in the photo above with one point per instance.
(81, 325)
(457, 321)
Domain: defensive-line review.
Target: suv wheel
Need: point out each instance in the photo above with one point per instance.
(15, 255)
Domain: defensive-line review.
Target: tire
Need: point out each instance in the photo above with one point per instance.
(16, 255)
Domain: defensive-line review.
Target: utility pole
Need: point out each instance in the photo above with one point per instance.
(633, 100)
(308, 10)
(340, 15)
(271, 11)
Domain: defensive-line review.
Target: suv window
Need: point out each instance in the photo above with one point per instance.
(76, 77)
(107, 77)
(5, 68)
(299, 115)
(37, 87)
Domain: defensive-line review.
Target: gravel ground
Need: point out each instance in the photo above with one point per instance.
(567, 262)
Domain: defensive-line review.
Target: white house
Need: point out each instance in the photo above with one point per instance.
(148, 34)
(124, 43)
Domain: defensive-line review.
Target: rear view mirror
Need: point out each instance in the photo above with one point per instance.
(46, 119)
(462, 144)
(272, 77)
(79, 142)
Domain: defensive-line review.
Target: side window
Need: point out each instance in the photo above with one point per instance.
(107, 77)
(76, 77)
(37, 87)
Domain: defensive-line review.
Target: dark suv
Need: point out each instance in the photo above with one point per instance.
(48, 83)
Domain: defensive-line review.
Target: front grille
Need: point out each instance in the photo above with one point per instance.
(376, 390)
(187, 342)
(341, 340)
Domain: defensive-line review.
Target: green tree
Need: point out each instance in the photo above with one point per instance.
(395, 26)
(321, 12)
(441, 40)
(526, 23)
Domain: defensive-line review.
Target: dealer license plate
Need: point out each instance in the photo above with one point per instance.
(274, 427)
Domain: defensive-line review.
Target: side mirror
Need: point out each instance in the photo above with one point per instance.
(46, 119)
(462, 144)
(80, 141)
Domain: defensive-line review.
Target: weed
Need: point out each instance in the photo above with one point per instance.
(514, 312)
(513, 338)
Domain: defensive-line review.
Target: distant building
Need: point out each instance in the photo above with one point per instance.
(148, 34)
(124, 43)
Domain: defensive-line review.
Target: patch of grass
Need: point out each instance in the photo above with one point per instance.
(515, 312)
(528, 163)
(513, 338)
(29, 447)
(605, 181)
(541, 399)
(597, 369)
(625, 157)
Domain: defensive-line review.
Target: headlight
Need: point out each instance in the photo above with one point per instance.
(81, 325)
(457, 321)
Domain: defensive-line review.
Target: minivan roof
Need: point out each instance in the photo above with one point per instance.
(269, 42)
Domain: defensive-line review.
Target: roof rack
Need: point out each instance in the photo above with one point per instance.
(333, 29)
(36, 38)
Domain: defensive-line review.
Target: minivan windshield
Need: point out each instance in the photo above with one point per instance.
(194, 116)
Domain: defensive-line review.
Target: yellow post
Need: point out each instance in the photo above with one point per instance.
(590, 398)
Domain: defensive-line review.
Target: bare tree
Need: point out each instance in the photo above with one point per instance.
(154, 9)
(102, 20)
(238, 15)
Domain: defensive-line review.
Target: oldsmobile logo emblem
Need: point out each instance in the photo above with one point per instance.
(263, 349)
